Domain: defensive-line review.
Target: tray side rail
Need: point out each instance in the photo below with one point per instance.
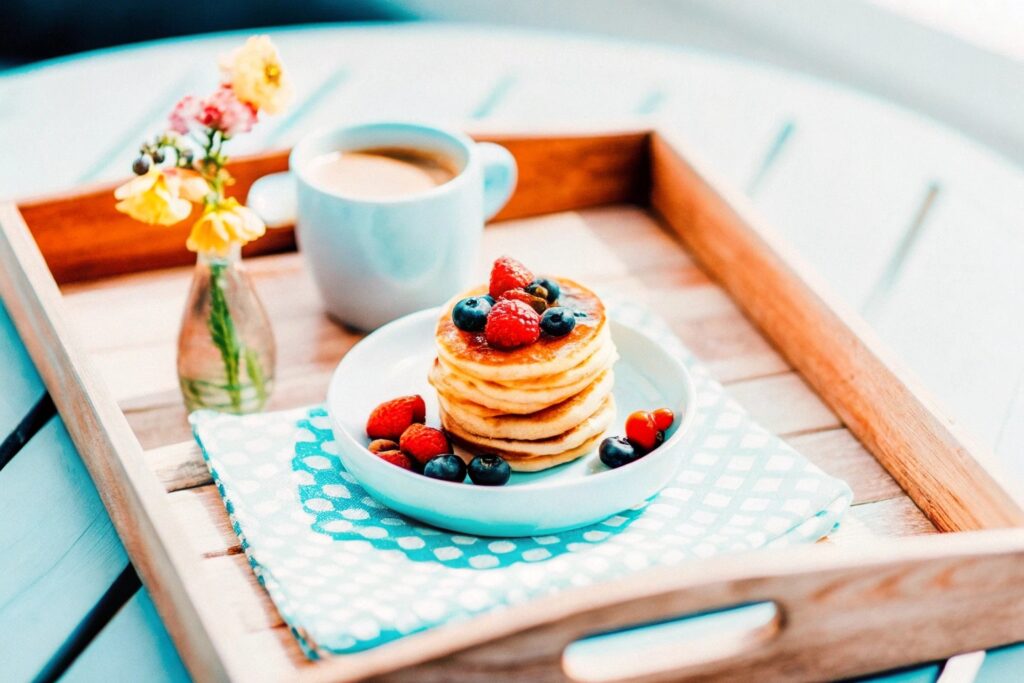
(157, 546)
(946, 475)
(83, 237)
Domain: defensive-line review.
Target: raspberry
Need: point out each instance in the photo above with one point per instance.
(381, 445)
(391, 418)
(396, 458)
(512, 324)
(506, 274)
(535, 302)
(423, 443)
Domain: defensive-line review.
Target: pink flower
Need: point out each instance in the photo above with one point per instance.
(184, 114)
(225, 112)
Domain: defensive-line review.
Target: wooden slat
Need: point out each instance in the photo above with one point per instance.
(134, 646)
(784, 404)
(60, 551)
(18, 377)
(965, 268)
(1002, 665)
(838, 452)
(924, 452)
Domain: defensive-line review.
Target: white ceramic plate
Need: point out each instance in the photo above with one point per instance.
(394, 360)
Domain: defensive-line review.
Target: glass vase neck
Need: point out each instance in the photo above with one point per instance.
(233, 256)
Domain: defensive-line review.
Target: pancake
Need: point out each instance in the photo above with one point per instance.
(518, 463)
(549, 422)
(501, 399)
(471, 353)
(603, 357)
(582, 433)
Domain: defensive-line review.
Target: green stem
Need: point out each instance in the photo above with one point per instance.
(224, 334)
(254, 369)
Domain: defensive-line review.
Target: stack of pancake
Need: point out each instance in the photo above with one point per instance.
(537, 406)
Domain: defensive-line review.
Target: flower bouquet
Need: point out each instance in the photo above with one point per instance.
(226, 350)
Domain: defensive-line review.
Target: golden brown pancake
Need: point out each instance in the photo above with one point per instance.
(549, 422)
(603, 357)
(471, 354)
(583, 432)
(501, 399)
(518, 463)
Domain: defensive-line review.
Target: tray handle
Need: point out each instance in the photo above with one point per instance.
(843, 611)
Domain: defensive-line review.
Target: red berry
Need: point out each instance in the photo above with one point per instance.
(423, 443)
(641, 431)
(506, 274)
(396, 458)
(535, 302)
(512, 324)
(663, 418)
(381, 445)
(391, 418)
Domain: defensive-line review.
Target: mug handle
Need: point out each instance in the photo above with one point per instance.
(500, 176)
(273, 198)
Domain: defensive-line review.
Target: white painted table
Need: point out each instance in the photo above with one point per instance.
(913, 224)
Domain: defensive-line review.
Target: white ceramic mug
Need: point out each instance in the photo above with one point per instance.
(375, 260)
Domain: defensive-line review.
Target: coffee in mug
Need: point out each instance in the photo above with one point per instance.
(380, 173)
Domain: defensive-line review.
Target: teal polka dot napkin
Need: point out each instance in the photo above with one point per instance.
(348, 574)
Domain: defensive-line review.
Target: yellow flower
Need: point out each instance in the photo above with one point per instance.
(222, 225)
(255, 73)
(160, 197)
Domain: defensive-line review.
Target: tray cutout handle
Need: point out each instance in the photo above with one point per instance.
(663, 647)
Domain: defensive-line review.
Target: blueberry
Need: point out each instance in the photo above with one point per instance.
(488, 298)
(158, 155)
(489, 470)
(616, 451)
(558, 321)
(551, 289)
(470, 315)
(445, 467)
(141, 165)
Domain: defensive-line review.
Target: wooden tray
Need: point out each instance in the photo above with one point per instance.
(626, 210)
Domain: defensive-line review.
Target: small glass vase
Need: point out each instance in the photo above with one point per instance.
(226, 350)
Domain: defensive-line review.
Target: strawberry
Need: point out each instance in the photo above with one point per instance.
(506, 274)
(423, 443)
(391, 418)
(663, 418)
(642, 432)
(381, 445)
(535, 302)
(396, 457)
(511, 324)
